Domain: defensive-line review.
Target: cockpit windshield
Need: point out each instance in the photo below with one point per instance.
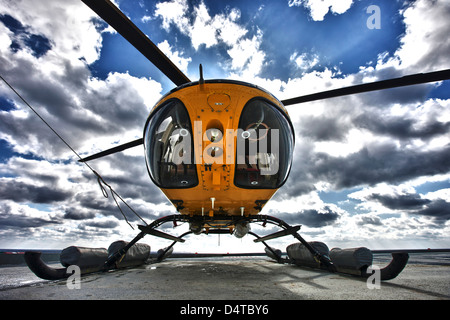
(264, 146)
(169, 147)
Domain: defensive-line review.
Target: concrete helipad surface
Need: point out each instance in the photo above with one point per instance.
(232, 278)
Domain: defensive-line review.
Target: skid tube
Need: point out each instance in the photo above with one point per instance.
(42, 270)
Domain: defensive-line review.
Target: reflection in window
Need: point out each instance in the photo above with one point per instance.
(169, 147)
(264, 146)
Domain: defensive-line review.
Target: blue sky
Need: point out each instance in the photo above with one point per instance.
(370, 170)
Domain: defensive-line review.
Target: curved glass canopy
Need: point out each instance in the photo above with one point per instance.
(169, 147)
(265, 143)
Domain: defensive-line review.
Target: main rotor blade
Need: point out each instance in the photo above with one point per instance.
(116, 19)
(373, 86)
(120, 148)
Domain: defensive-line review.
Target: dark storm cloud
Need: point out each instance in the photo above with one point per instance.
(369, 220)
(414, 204)
(378, 162)
(22, 192)
(15, 221)
(311, 217)
(75, 104)
(399, 202)
(322, 128)
(78, 214)
(135, 182)
(438, 209)
(87, 205)
(69, 108)
(99, 224)
(375, 163)
(400, 127)
(96, 203)
(10, 219)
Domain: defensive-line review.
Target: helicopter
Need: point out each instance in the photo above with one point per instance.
(220, 149)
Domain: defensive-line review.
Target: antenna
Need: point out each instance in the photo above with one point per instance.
(201, 81)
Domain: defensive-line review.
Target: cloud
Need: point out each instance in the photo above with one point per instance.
(102, 224)
(400, 202)
(312, 218)
(317, 219)
(38, 44)
(318, 9)
(81, 40)
(175, 57)
(425, 45)
(322, 128)
(243, 46)
(17, 221)
(438, 209)
(17, 216)
(304, 61)
(379, 162)
(364, 220)
(402, 128)
(23, 192)
(173, 12)
(78, 213)
(404, 199)
(73, 102)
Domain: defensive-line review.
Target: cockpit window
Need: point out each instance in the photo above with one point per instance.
(169, 147)
(264, 146)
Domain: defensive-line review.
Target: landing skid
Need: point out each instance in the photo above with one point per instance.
(231, 221)
(319, 259)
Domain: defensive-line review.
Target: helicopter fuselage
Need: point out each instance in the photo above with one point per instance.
(218, 147)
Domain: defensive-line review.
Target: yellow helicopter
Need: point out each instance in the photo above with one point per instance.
(220, 149)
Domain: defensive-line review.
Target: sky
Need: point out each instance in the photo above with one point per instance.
(369, 170)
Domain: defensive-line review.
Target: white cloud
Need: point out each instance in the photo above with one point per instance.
(319, 9)
(227, 27)
(201, 31)
(198, 25)
(425, 45)
(304, 61)
(173, 12)
(71, 32)
(246, 56)
(174, 56)
(5, 39)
